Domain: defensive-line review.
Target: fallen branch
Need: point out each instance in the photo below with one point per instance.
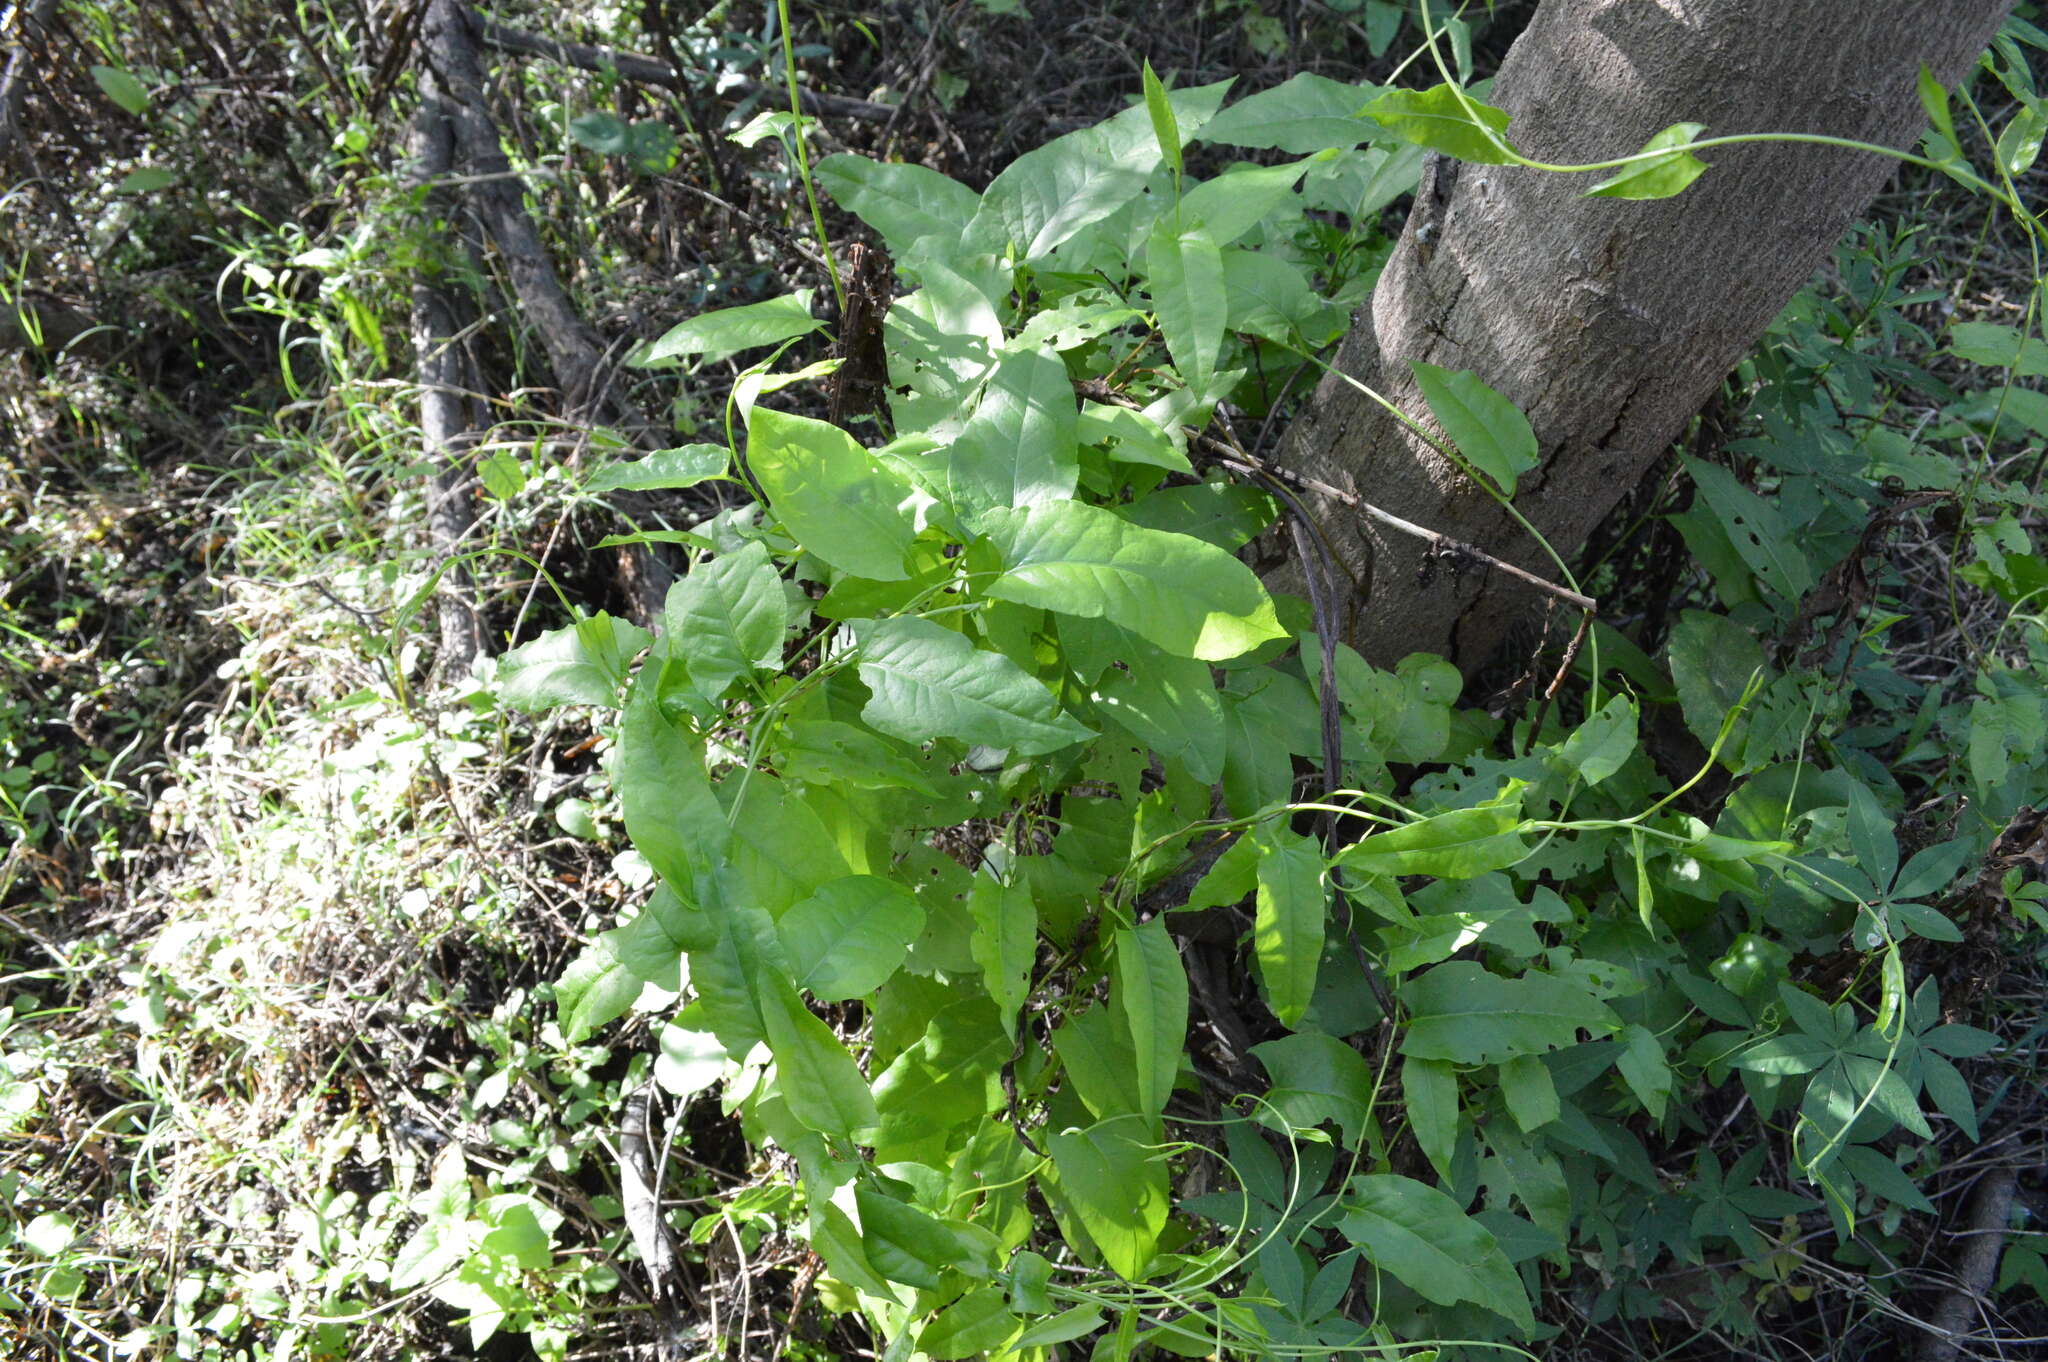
(1985, 1226)
(33, 23)
(646, 70)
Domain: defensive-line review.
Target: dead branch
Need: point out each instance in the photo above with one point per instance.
(1984, 1225)
(31, 24)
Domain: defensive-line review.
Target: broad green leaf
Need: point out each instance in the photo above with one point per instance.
(1435, 118)
(1005, 944)
(1997, 346)
(1305, 114)
(663, 469)
(690, 1061)
(1018, 447)
(1318, 1078)
(1663, 177)
(1188, 597)
(1287, 930)
(827, 751)
(1429, 1092)
(713, 336)
(911, 1246)
(978, 1323)
(1712, 659)
(1186, 285)
(928, 682)
(124, 89)
(832, 495)
(1758, 530)
(727, 617)
(819, 1080)
(608, 977)
(1236, 201)
(50, 1233)
(1165, 127)
(1486, 428)
(1423, 1238)
(900, 200)
(1130, 436)
(1271, 297)
(1603, 744)
(951, 1076)
(845, 940)
(1151, 995)
(780, 851)
(2019, 144)
(1463, 1012)
(1096, 1056)
(1170, 704)
(1530, 1093)
(670, 811)
(578, 664)
(1646, 1070)
(1456, 845)
(1117, 1187)
(941, 341)
(150, 179)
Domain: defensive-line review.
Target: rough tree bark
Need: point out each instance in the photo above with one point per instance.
(1608, 322)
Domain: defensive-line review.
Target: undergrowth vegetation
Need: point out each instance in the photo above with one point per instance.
(972, 912)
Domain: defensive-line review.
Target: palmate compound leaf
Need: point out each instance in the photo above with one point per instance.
(1424, 1238)
(928, 682)
(1188, 597)
(1662, 177)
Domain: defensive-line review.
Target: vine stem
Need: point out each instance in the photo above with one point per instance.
(803, 155)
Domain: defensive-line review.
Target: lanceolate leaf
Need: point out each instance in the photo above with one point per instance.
(1422, 1237)
(670, 811)
(1152, 995)
(1668, 174)
(716, 335)
(1189, 300)
(929, 682)
(845, 940)
(903, 201)
(1435, 118)
(1459, 844)
(1287, 933)
(1486, 428)
(1302, 115)
(664, 468)
(1005, 943)
(819, 1080)
(1117, 1187)
(1018, 447)
(1463, 1012)
(1188, 597)
(831, 494)
(1429, 1090)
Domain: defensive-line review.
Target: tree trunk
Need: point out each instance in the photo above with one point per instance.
(1608, 322)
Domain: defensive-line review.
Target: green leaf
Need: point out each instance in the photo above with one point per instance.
(578, 664)
(1455, 845)
(727, 331)
(1118, 1189)
(907, 1245)
(1934, 99)
(1422, 1237)
(1233, 203)
(662, 470)
(1287, 930)
(1603, 744)
(1759, 532)
(1302, 115)
(1018, 447)
(1318, 1078)
(831, 494)
(729, 613)
(147, 180)
(819, 1080)
(610, 976)
(124, 89)
(1186, 283)
(1165, 127)
(1435, 118)
(671, 814)
(1170, 704)
(1997, 346)
(1876, 1171)
(902, 201)
(1661, 178)
(1646, 1070)
(845, 940)
(1005, 944)
(1188, 597)
(1429, 1092)
(928, 682)
(1486, 428)
(979, 1322)
(1464, 1013)
(690, 1061)
(50, 1233)
(1151, 994)
(1712, 659)
(1097, 1058)
(950, 1077)
(2019, 144)
(1526, 1086)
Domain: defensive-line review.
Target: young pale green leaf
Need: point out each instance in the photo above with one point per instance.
(1188, 597)
(1437, 118)
(819, 1080)
(124, 89)
(1425, 1239)
(845, 940)
(671, 812)
(1233, 203)
(1465, 1013)
(1455, 845)
(729, 615)
(1318, 1078)
(2019, 144)
(618, 967)
(1661, 178)
(977, 1324)
(1117, 1188)
(1305, 114)
(831, 494)
(578, 664)
(1487, 428)
(1429, 1093)
(1018, 447)
(1189, 300)
(1603, 744)
(1130, 436)
(713, 336)
(1530, 1093)
(928, 682)
(1287, 930)
(1934, 99)
(690, 1061)
(902, 201)
(663, 469)
(1151, 995)
(1005, 944)
(1165, 127)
